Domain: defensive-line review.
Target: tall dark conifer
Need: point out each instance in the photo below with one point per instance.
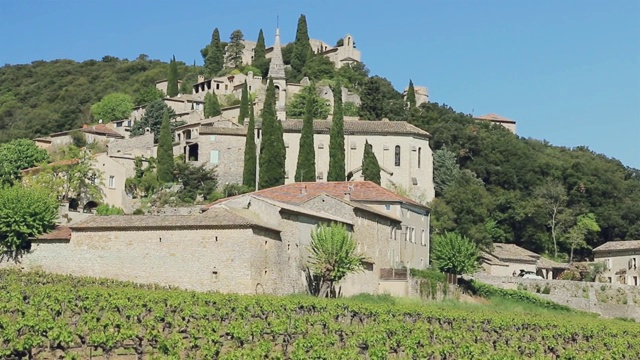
(336, 139)
(249, 171)
(165, 152)
(172, 81)
(244, 104)
(301, 48)
(306, 167)
(214, 62)
(260, 60)
(272, 149)
(371, 100)
(370, 165)
(211, 105)
(411, 95)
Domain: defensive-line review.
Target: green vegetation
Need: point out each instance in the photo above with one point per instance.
(337, 170)
(25, 211)
(260, 60)
(172, 79)
(18, 155)
(272, 149)
(306, 166)
(104, 210)
(370, 165)
(211, 105)
(411, 95)
(250, 156)
(297, 105)
(213, 54)
(197, 181)
(522, 296)
(165, 152)
(75, 317)
(116, 106)
(301, 50)
(235, 49)
(244, 104)
(152, 120)
(454, 254)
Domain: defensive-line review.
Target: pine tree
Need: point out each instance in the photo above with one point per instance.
(249, 171)
(370, 166)
(211, 105)
(301, 48)
(411, 95)
(260, 60)
(272, 150)
(165, 152)
(244, 104)
(336, 139)
(235, 49)
(172, 82)
(214, 62)
(306, 167)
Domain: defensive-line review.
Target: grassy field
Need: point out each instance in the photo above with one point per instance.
(51, 316)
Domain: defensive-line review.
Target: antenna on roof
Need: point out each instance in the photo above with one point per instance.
(277, 21)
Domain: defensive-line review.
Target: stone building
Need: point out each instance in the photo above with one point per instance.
(508, 259)
(621, 259)
(422, 94)
(102, 133)
(499, 120)
(252, 243)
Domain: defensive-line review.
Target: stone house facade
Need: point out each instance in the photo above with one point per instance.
(508, 260)
(102, 133)
(622, 261)
(498, 120)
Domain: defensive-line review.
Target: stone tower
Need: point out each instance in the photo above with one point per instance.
(276, 72)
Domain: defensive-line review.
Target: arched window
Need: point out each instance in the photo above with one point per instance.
(397, 155)
(277, 88)
(419, 157)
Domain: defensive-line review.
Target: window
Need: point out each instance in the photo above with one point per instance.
(119, 124)
(407, 234)
(387, 207)
(423, 240)
(397, 155)
(320, 175)
(413, 235)
(607, 263)
(217, 86)
(112, 182)
(212, 138)
(419, 157)
(214, 157)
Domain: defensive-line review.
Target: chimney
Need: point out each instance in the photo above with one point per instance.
(200, 78)
(347, 196)
(303, 190)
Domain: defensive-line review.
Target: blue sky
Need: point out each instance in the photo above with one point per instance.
(567, 71)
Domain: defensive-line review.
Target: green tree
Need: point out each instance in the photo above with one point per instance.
(116, 106)
(272, 149)
(211, 105)
(105, 210)
(301, 49)
(306, 167)
(370, 165)
(454, 254)
(350, 109)
(152, 119)
(585, 225)
(24, 212)
(196, 181)
(249, 170)
(445, 169)
(411, 95)
(371, 100)
(18, 155)
(244, 104)
(146, 96)
(552, 199)
(337, 170)
(319, 67)
(260, 60)
(172, 79)
(145, 181)
(235, 49)
(354, 76)
(297, 105)
(165, 152)
(213, 54)
(333, 255)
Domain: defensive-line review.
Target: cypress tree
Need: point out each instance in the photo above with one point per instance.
(172, 82)
(211, 105)
(370, 166)
(249, 171)
(336, 139)
(165, 152)
(306, 167)
(411, 95)
(244, 104)
(260, 60)
(214, 62)
(272, 150)
(301, 48)
(371, 100)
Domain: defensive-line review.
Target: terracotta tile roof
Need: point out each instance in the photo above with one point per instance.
(59, 233)
(494, 118)
(544, 263)
(101, 129)
(619, 245)
(55, 163)
(358, 127)
(361, 191)
(215, 218)
(511, 252)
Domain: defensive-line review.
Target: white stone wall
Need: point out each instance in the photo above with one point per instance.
(626, 263)
(117, 169)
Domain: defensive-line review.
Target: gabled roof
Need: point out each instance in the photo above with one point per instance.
(511, 252)
(360, 191)
(304, 211)
(619, 246)
(218, 218)
(544, 263)
(101, 129)
(359, 127)
(362, 207)
(218, 130)
(494, 118)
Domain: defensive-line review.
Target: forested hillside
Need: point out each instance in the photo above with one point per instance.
(43, 97)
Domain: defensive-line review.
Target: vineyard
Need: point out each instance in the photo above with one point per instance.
(44, 316)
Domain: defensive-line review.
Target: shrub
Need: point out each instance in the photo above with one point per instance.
(104, 209)
(488, 291)
(546, 290)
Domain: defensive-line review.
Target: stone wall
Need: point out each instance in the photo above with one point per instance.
(228, 157)
(608, 300)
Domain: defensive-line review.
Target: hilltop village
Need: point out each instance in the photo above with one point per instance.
(255, 156)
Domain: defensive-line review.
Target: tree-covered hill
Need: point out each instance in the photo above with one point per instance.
(44, 97)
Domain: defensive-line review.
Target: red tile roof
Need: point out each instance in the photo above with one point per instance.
(55, 163)
(300, 192)
(101, 129)
(59, 233)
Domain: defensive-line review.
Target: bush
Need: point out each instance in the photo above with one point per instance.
(104, 210)
(350, 109)
(546, 290)
(138, 212)
(488, 291)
